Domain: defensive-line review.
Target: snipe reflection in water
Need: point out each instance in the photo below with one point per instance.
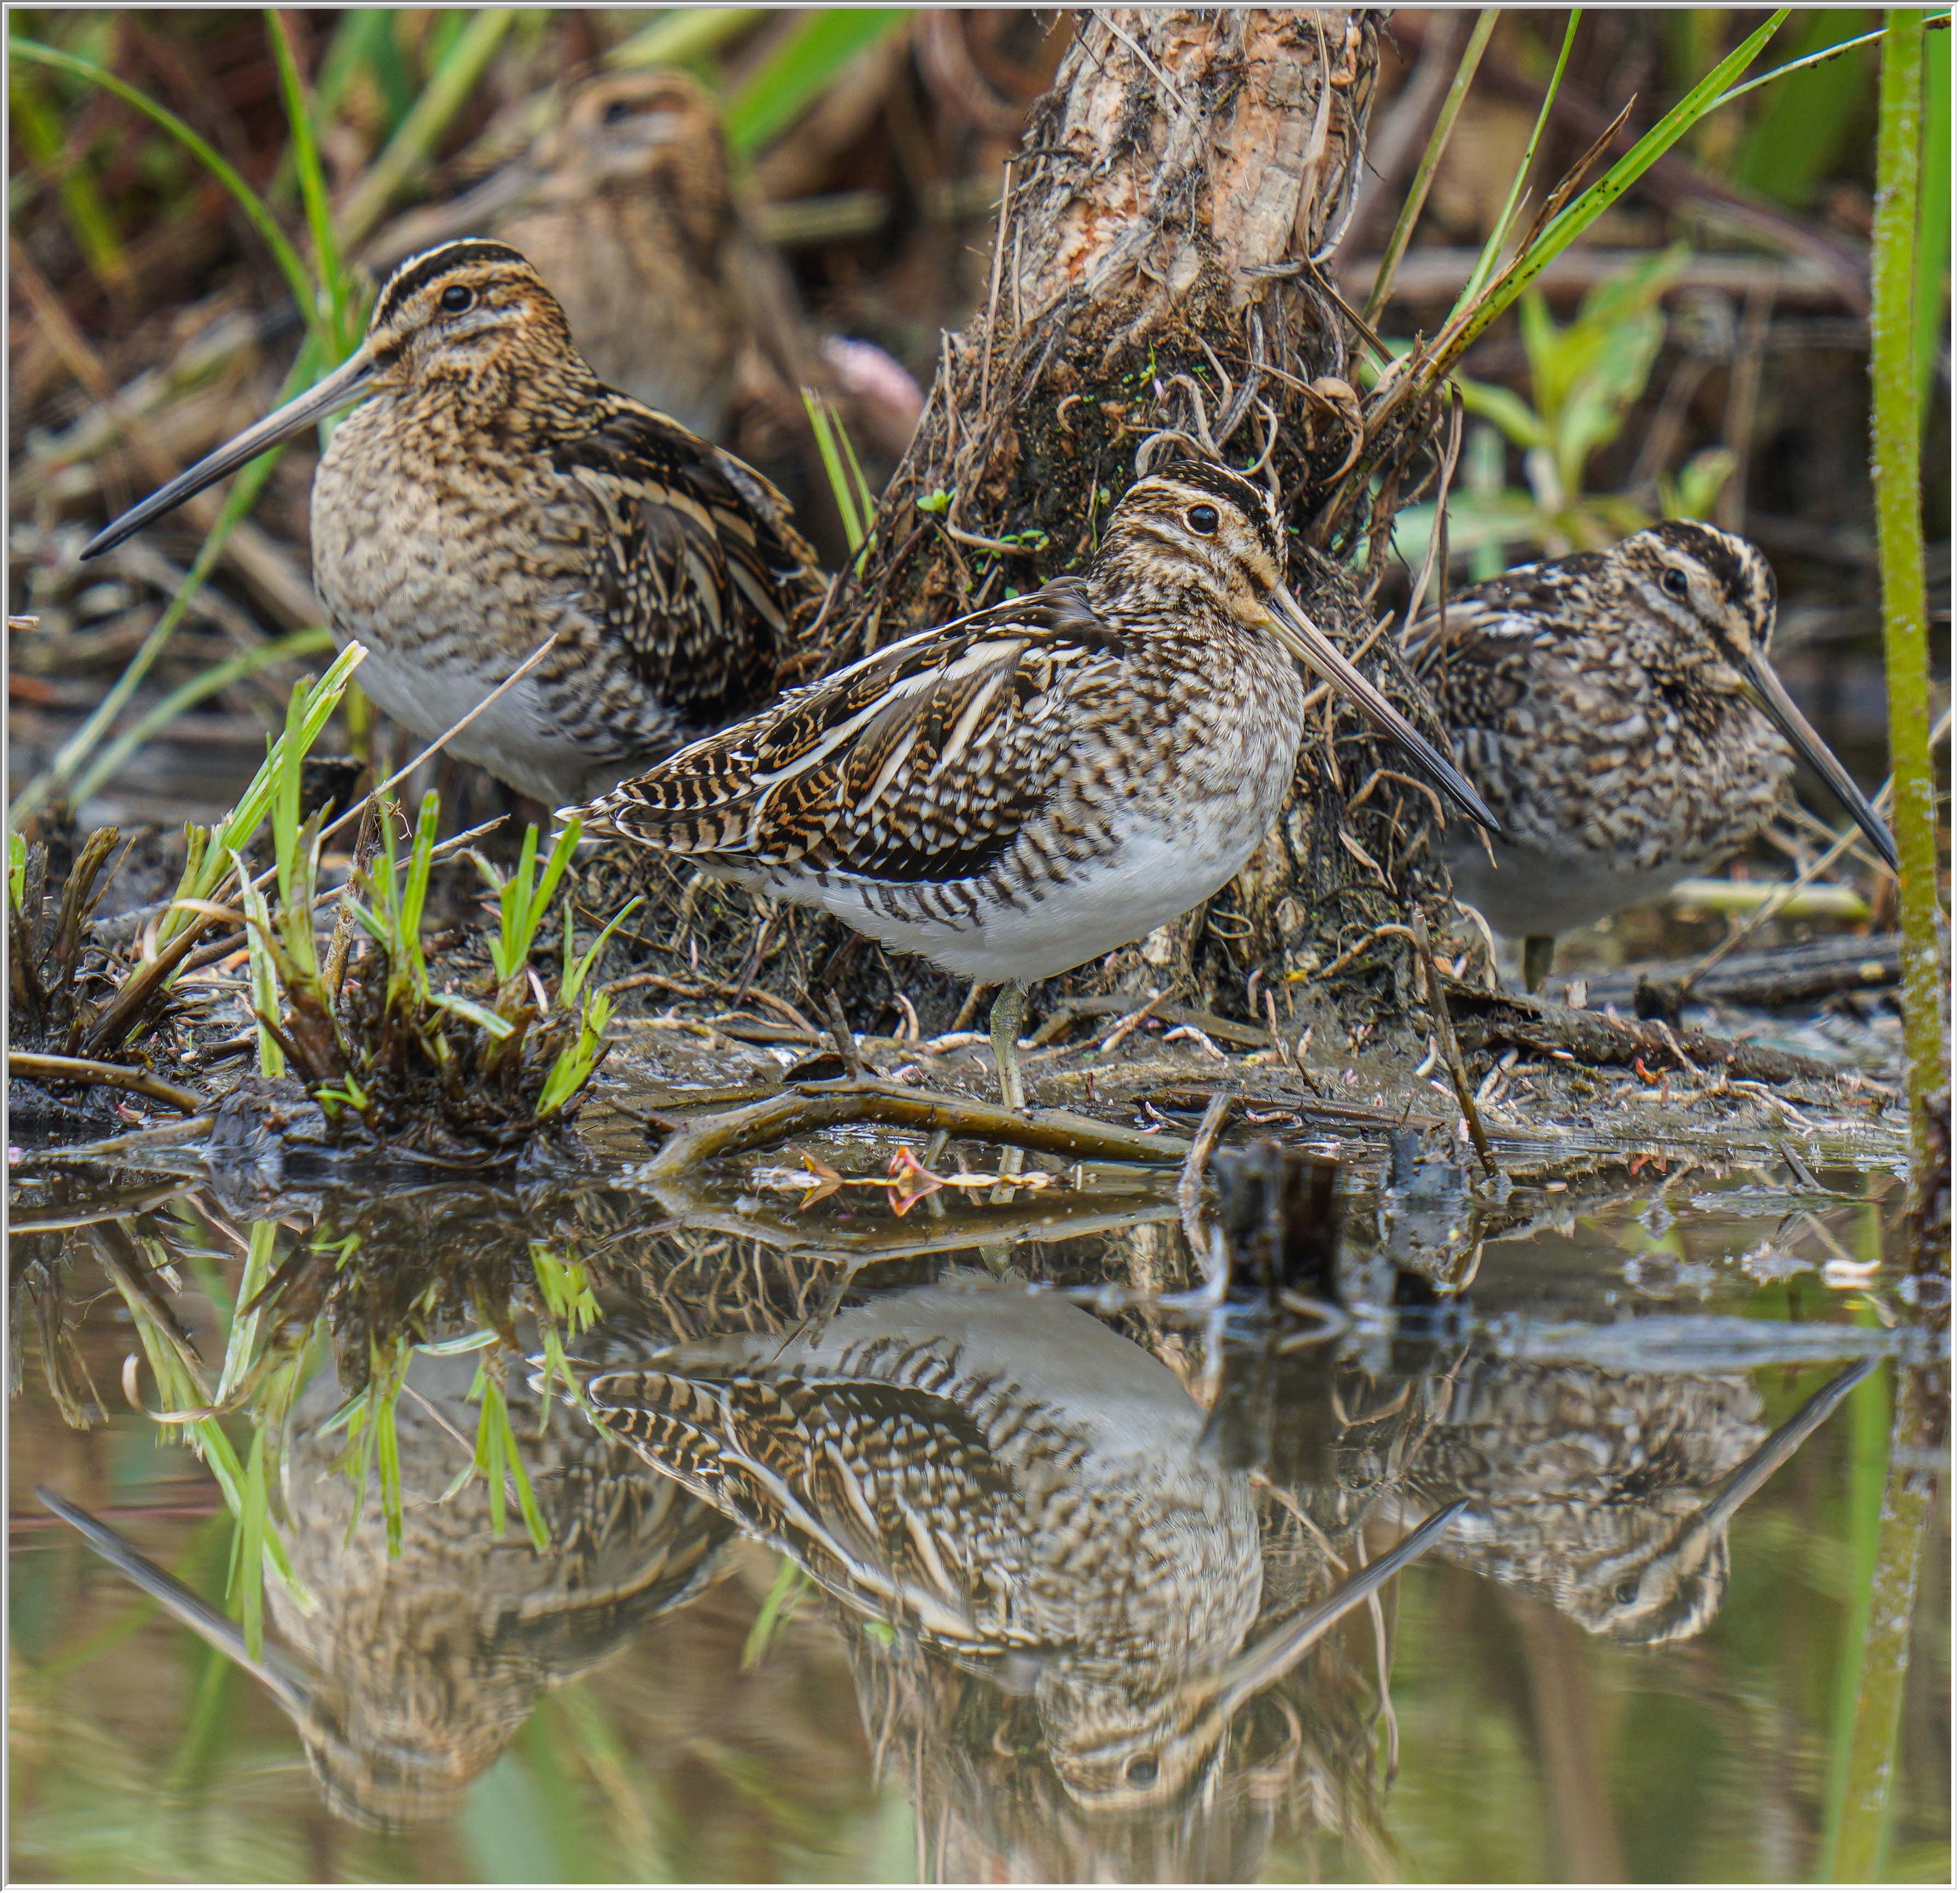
(407, 1674)
(1021, 1489)
(1367, 1436)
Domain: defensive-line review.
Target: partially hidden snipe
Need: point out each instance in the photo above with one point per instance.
(1619, 712)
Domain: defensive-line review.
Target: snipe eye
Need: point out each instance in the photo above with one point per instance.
(1200, 519)
(1142, 1769)
(457, 297)
(1627, 1591)
(618, 112)
(1674, 582)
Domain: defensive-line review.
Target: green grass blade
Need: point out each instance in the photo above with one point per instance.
(448, 90)
(1432, 158)
(248, 200)
(790, 1582)
(476, 1014)
(821, 426)
(264, 980)
(204, 874)
(312, 182)
(513, 907)
(575, 977)
(489, 1393)
(821, 44)
(1584, 210)
(414, 891)
(383, 1390)
(1896, 442)
(1818, 58)
(252, 1550)
(1501, 230)
(241, 1343)
(683, 35)
(527, 1502)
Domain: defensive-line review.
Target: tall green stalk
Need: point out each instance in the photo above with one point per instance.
(1860, 1821)
(1895, 451)
(1432, 158)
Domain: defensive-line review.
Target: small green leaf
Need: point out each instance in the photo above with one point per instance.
(478, 1015)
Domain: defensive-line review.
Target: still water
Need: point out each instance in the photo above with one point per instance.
(978, 1543)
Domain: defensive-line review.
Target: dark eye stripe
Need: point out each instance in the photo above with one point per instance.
(418, 272)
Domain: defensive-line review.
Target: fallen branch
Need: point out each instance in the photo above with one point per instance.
(809, 1107)
(1072, 1011)
(1358, 1118)
(133, 1144)
(1783, 976)
(1486, 1019)
(49, 1065)
(868, 1239)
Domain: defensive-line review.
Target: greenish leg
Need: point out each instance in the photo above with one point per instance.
(1004, 1025)
(1538, 960)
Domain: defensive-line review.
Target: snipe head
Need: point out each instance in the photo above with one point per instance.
(622, 129)
(1709, 609)
(469, 322)
(1197, 538)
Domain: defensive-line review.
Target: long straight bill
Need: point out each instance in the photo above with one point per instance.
(347, 383)
(1312, 646)
(1266, 1662)
(1809, 745)
(182, 1603)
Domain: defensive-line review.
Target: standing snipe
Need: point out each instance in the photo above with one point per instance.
(1035, 785)
(1619, 712)
(491, 491)
(1001, 1476)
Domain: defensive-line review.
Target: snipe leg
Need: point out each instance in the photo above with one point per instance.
(1004, 1025)
(1537, 960)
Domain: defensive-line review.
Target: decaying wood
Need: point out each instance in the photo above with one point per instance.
(1488, 1019)
(1781, 976)
(1156, 286)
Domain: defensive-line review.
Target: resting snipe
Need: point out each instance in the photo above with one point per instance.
(491, 491)
(1033, 786)
(1618, 711)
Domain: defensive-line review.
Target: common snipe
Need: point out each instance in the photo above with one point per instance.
(626, 203)
(491, 491)
(1016, 1485)
(1618, 711)
(1032, 786)
(623, 204)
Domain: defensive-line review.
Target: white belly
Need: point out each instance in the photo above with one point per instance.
(1531, 892)
(508, 739)
(1151, 877)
